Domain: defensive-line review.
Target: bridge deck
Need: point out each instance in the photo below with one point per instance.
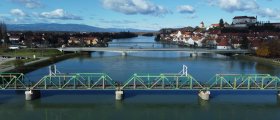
(109, 49)
(101, 81)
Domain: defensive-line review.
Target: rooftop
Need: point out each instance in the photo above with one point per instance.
(240, 17)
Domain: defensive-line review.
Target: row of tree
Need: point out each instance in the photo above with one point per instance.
(3, 34)
(56, 39)
(269, 49)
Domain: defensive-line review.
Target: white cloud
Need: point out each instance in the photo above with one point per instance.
(117, 21)
(268, 12)
(186, 9)
(236, 5)
(18, 13)
(29, 3)
(192, 16)
(130, 7)
(59, 14)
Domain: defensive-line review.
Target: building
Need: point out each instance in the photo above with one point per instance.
(236, 43)
(223, 45)
(244, 20)
(214, 25)
(90, 40)
(277, 25)
(14, 39)
(202, 25)
(178, 37)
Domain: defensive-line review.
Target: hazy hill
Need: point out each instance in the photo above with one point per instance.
(66, 27)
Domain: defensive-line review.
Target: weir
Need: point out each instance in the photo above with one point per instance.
(56, 80)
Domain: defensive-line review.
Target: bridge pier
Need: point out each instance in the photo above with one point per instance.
(124, 53)
(204, 95)
(119, 95)
(32, 94)
(193, 54)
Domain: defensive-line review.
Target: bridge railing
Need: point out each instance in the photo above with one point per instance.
(161, 81)
(243, 82)
(13, 81)
(84, 81)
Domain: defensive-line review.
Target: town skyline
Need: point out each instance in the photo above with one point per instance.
(139, 14)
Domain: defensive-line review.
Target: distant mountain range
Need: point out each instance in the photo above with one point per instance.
(67, 28)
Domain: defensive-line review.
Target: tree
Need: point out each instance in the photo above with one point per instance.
(18, 63)
(221, 23)
(157, 38)
(3, 33)
(274, 48)
(244, 43)
(263, 51)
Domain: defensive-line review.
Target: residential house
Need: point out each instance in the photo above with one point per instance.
(14, 39)
(236, 43)
(223, 44)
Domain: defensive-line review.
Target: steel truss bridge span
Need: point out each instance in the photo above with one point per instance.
(102, 81)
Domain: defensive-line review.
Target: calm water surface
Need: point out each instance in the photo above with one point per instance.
(139, 105)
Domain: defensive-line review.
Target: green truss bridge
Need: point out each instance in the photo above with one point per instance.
(101, 81)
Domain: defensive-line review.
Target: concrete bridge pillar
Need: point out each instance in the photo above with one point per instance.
(204, 95)
(124, 53)
(32, 94)
(119, 95)
(193, 54)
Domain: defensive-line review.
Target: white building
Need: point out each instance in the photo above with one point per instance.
(190, 41)
(244, 20)
(179, 37)
(223, 45)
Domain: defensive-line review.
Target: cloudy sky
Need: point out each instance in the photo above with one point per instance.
(141, 14)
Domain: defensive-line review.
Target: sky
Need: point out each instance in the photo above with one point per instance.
(139, 14)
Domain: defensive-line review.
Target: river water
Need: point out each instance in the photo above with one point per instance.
(139, 105)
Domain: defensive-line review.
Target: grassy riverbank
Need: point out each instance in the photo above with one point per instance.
(31, 66)
(44, 57)
(27, 55)
(30, 52)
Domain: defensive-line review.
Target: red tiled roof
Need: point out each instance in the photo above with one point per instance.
(240, 17)
(255, 43)
(215, 25)
(223, 42)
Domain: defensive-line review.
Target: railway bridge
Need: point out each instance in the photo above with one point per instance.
(56, 80)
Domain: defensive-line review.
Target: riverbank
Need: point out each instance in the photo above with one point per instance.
(42, 62)
(260, 59)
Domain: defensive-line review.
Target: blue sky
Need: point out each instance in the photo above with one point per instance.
(141, 14)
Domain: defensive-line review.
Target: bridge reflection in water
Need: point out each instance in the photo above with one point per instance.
(164, 81)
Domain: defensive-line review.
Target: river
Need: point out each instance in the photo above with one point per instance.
(139, 105)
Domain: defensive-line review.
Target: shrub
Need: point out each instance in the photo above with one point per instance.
(18, 63)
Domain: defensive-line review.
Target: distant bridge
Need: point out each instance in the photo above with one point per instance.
(127, 50)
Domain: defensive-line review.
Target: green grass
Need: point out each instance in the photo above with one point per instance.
(30, 52)
(13, 61)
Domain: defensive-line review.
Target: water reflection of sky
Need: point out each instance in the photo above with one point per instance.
(120, 68)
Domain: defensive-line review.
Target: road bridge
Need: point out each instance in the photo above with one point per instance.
(124, 51)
